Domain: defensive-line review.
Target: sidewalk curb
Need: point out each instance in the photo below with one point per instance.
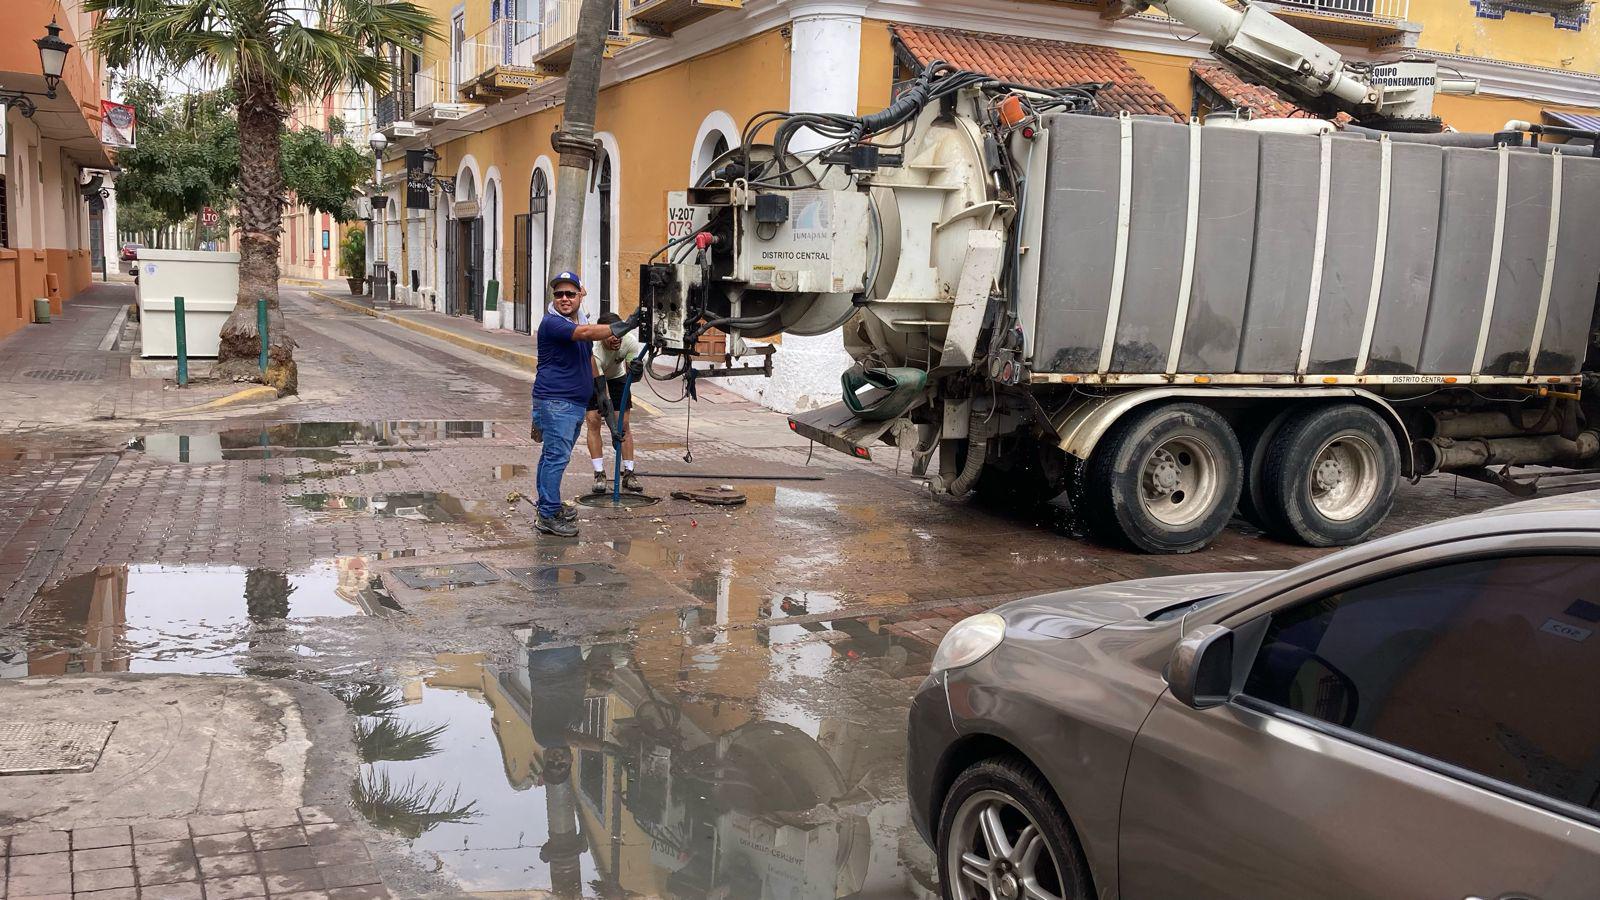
(526, 361)
(258, 393)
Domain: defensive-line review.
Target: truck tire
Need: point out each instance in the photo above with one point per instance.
(1329, 475)
(1255, 438)
(1164, 480)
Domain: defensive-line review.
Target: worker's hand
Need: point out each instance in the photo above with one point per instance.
(636, 370)
(630, 323)
(602, 396)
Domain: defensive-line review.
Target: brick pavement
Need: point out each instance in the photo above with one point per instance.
(309, 853)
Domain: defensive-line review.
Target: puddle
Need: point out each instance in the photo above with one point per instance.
(613, 770)
(321, 441)
(344, 471)
(151, 618)
(508, 472)
(416, 506)
(10, 451)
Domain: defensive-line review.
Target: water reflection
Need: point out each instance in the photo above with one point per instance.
(417, 506)
(193, 619)
(321, 441)
(611, 770)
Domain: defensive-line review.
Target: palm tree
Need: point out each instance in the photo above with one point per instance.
(272, 53)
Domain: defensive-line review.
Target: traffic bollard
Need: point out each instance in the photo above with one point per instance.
(183, 341)
(261, 330)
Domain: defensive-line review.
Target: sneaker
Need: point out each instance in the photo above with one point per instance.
(602, 485)
(557, 526)
(569, 512)
(631, 482)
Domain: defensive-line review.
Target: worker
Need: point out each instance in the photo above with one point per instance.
(616, 363)
(562, 386)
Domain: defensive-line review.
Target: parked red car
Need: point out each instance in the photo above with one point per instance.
(130, 251)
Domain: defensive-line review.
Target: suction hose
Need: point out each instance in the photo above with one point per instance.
(980, 428)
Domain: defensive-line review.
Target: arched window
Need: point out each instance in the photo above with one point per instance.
(532, 244)
(603, 187)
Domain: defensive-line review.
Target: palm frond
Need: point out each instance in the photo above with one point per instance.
(412, 808)
(389, 740)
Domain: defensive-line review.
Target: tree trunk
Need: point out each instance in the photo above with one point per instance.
(575, 142)
(260, 224)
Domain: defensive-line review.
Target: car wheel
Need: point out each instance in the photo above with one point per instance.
(1003, 836)
(1165, 480)
(1329, 475)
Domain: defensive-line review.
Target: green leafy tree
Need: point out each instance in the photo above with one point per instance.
(188, 154)
(271, 54)
(324, 170)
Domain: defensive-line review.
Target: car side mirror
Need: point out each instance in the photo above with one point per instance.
(1201, 671)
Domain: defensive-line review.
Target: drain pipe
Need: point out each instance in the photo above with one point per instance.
(980, 428)
(574, 142)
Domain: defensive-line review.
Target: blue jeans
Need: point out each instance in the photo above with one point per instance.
(561, 421)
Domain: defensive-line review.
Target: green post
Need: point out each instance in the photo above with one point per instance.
(183, 341)
(261, 330)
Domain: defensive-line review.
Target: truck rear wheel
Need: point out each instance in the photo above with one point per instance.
(1165, 480)
(1329, 475)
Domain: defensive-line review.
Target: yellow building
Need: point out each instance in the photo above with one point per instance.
(309, 245)
(683, 76)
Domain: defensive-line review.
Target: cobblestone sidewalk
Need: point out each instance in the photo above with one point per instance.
(310, 853)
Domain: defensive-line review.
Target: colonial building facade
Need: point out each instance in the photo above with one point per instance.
(683, 76)
(51, 242)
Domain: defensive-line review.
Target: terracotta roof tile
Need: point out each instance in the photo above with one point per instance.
(1262, 101)
(1038, 62)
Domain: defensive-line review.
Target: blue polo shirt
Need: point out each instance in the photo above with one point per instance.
(564, 371)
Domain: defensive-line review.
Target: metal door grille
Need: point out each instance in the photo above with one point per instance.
(520, 288)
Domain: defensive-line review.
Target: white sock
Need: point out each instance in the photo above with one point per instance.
(599, 464)
(627, 465)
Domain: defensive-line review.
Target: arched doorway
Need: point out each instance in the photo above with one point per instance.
(531, 242)
(464, 250)
(603, 188)
(489, 227)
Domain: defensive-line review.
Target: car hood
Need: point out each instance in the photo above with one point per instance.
(1074, 613)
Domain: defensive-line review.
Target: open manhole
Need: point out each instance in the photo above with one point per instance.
(453, 575)
(721, 495)
(625, 501)
(60, 375)
(568, 575)
(45, 748)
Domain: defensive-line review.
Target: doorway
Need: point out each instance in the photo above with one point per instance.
(467, 298)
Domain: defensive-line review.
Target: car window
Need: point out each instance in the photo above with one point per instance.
(1488, 665)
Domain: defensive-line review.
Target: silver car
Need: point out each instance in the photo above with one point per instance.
(1415, 717)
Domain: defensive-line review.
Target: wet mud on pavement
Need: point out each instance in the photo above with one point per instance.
(688, 701)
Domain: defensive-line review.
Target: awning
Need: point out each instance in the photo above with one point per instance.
(1573, 120)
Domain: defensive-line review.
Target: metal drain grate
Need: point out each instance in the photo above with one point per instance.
(568, 575)
(454, 575)
(60, 375)
(45, 748)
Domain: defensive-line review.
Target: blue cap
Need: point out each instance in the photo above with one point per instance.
(567, 276)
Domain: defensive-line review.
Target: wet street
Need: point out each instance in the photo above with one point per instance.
(687, 701)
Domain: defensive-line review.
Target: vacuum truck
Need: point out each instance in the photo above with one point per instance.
(1170, 322)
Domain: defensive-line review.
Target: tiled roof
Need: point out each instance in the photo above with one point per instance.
(1259, 99)
(1036, 62)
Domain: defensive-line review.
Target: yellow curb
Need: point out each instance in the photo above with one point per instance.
(527, 361)
(300, 282)
(260, 392)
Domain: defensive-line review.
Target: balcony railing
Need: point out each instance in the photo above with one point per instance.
(560, 22)
(1396, 10)
(434, 85)
(512, 43)
(395, 106)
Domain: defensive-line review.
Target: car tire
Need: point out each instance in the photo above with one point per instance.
(1191, 458)
(1329, 475)
(1021, 799)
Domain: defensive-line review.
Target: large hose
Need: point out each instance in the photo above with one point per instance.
(979, 431)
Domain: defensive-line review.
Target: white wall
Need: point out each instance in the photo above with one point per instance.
(824, 71)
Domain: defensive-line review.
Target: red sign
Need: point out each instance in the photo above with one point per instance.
(117, 124)
(208, 218)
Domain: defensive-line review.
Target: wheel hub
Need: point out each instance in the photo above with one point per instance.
(1007, 885)
(1164, 474)
(1330, 474)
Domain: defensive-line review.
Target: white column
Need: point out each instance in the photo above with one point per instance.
(824, 76)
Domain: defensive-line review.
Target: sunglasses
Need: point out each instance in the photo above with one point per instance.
(562, 295)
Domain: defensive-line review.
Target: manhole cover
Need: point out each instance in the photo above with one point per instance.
(568, 575)
(45, 748)
(626, 501)
(433, 578)
(60, 375)
(716, 496)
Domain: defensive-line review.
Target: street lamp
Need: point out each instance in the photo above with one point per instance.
(52, 60)
(430, 162)
(378, 143)
(52, 56)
